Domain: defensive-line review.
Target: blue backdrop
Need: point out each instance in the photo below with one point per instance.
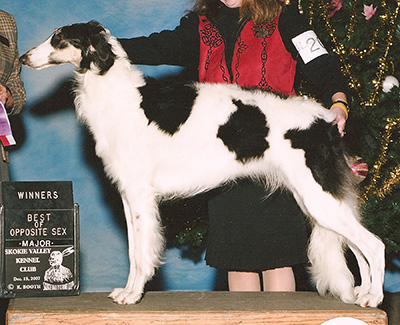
(53, 146)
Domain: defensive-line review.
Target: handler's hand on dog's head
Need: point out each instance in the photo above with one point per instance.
(340, 118)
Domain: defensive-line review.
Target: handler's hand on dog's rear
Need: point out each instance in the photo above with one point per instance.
(340, 118)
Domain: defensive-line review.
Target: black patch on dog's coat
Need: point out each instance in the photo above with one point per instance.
(245, 132)
(324, 154)
(167, 102)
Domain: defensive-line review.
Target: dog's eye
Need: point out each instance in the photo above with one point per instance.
(56, 39)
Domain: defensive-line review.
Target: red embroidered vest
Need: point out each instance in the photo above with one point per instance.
(260, 58)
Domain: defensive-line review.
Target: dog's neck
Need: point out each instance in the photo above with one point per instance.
(95, 92)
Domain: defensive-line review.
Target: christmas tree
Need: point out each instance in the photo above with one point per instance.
(365, 37)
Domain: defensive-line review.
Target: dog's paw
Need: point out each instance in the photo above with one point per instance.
(125, 297)
(362, 290)
(369, 300)
(114, 294)
(348, 299)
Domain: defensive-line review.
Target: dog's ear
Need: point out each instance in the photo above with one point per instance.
(99, 45)
(98, 41)
(99, 50)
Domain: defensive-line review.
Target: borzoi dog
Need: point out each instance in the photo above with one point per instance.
(162, 141)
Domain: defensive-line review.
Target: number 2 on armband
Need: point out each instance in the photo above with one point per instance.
(309, 46)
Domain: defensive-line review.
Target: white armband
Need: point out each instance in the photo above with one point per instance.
(309, 46)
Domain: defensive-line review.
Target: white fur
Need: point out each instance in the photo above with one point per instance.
(148, 165)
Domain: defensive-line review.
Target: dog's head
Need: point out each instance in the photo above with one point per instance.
(84, 45)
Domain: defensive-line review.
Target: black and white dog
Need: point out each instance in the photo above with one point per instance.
(180, 140)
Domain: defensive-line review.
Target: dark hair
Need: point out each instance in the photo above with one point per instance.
(259, 11)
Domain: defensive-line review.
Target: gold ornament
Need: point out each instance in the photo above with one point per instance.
(386, 21)
(393, 178)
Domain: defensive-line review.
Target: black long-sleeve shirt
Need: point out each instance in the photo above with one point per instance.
(181, 47)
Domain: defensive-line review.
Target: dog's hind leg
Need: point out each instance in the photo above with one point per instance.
(325, 252)
(365, 273)
(329, 269)
(370, 292)
(146, 245)
(315, 168)
(338, 214)
(340, 218)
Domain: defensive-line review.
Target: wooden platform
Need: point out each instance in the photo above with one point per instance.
(175, 307)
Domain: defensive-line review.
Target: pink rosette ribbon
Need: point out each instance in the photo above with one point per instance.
(6, 137)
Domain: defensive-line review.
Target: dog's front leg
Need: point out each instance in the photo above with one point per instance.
(146, 244)
(119, 294)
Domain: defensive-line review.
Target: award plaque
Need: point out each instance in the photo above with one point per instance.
(39, 234)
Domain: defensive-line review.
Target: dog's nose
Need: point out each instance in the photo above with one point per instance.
(24, 59)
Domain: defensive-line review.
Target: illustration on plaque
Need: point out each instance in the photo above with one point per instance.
(57, 276)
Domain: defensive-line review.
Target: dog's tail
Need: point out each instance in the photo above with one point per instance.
(329, 269)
